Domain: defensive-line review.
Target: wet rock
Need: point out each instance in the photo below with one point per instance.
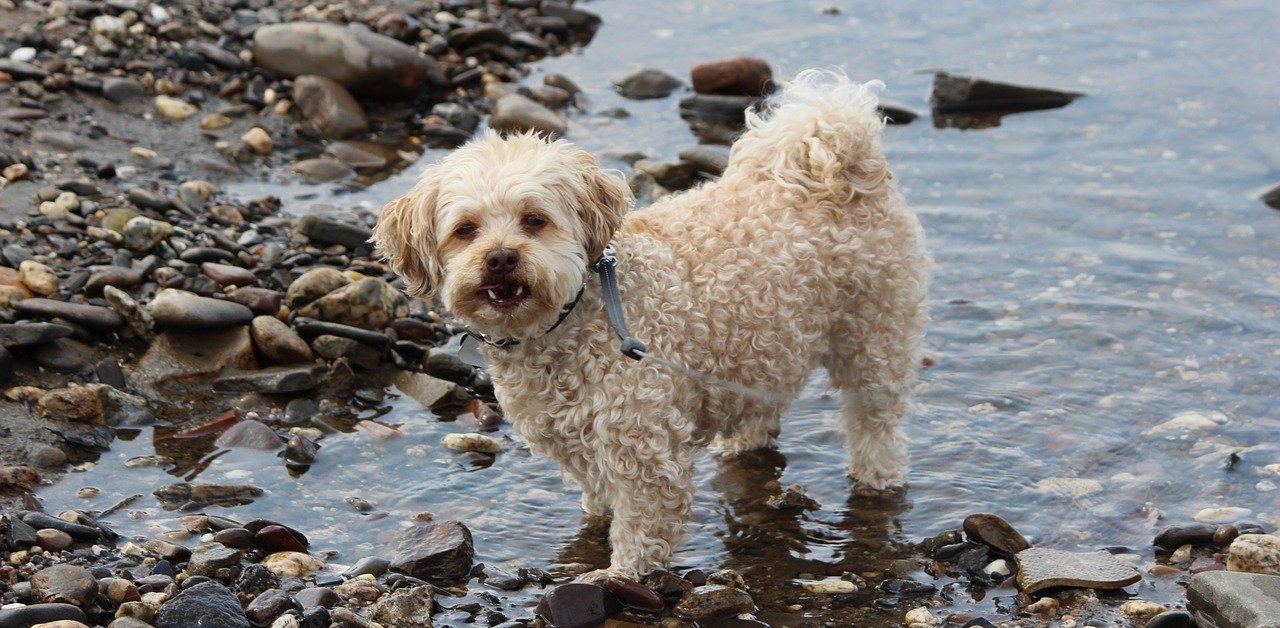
(435, 551)
(175, 109)
(278, 342)
(1255, 553)
(360, 60)
(269, 605)
(143, 234)
(309, 327)
(336, 347)
(332, 231)
(120, 591)
(1041, 568)
(371, 565)
(81, 533)
(113, 276)
(278, 538)
(95, 404)
(259, 300)
(472, 442)
(64, 355)
(744, 76)
(515, 113)
(92, 317)
(314, 284)
(632, 594)
(213, 603)
(706, 160)
(178, 308)
(1224, 535)
(255, 580)
(362, 155)
(895, 112)
(361, 591)
(322, 170)
(121, 90)
(1140, 611)
(15, 534)
(714, 600)
(64, 584)
(670, 175)
(329, 106)
(407, 607)
(1234, 600)
(38, 278)
(1175, 536)
(646, 83)
(312, 597)
(235, 538)
(1226, 514)
(28, 334)
(186, 495)
(369, 304)
(207, 558)
(186, 356)
(995, 532)
(1272, 197)
(250, 435)
(169, 551)
(274, 380)
(294, 564)
(578, 605)
(227, 275)
(1172, 619)
(24, 616)
(974, 103)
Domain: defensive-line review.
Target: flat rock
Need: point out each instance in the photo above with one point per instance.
(92, 317)
(360, 60)
(714, 600)
(181, 356)
(332, 231)
(228, 275)
(184, 494)
(995, 532)
(1223, 599)
(441, 551)
(278, 342)
(369, 304)
(357, 353)
(116, 276)
(515, 113)
(179, 308)
(646, 83)
(260, 300)
(1041, 568)
(22, 617)
(214, 605)
(14, 335)
(64, 584)
(1255, 553)
(706, 160)
(329, 106)
(322, 170)
(275, 380)
(1175, 536)
(207, 558)
(64, 354)
(578, 605)
(267, 606)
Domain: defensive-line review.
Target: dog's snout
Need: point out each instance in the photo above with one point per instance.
(502, 261)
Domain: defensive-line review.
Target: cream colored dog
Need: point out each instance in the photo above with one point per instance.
(802, 254)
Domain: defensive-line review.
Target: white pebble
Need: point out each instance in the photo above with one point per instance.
(472, 442)
(1225, 514)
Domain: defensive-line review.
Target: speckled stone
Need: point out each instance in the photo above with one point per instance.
(1255, 553)
(1041, 568)
(1235, 600)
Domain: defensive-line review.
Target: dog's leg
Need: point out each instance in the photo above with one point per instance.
(595, 499)
(877, 447)
(755, 426)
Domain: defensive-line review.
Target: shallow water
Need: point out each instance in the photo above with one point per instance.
(1100, 270)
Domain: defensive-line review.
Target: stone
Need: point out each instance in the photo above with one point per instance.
(705, 159)
(1226, 599)
(1223, 514)
(895, 112)
(578, 605)
(64, 355)
(259, 300)
(326, 230)
(361, 591)
(1272, 197)
(53, 540)
(277, 538)
(1041, 568)
(514, 113)
(441, 551)
(995, 532)
(369, 304)
(128, 622)
(359, 60)
(336, 347)
(646, 83)
(273, 380)
(1255, 553)
(268, 605)
(312, 597)
(250, 434)
(294, 564)
(1140, 611)
(121, 591)
(169, 551)
(744, 76)
(406, 607)
(111, 276)
(182, 309)
(1175, 536)
(207, 558)
(180, 356)
(81, 533)
(25, 616)
(64, 584)
(634, 595)
(920, 615)
(714, 600)
(258, 140)
(278, 342)
(142, 234)
(953, 93)
(314, 284)
(1171, 619)
(29, 334)
(371, 565)
(95, 404)
(329, 106)
(92, 317)
(212, 603)
(175, 109)
(38, 278)
(228, 275)
(362, 155)
(322, 170)
(472, 442)
(120, 90)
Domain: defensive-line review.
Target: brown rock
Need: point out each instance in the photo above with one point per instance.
(369, 304)
(278, 341)
(329, 106)
(741, 76)
(994, 532)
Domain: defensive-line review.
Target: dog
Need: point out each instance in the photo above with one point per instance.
(802, 254)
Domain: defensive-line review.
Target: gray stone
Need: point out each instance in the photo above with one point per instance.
(331, 231)
(368, 565)
(64, 354)
(275, 380)
(706, 160)
(335, 347)
(208, 558)
(440, 551)
(360, 60)
(178, 308)
(115, 276)
(25, 616)
(1224, 599)
(517, 114)
(92, 317)
(406, 607)
(646, 83)
(269, 605)
(329, 106)
(322, 170)
(64, 584)
(26, 334)
(250, 434)
(1041, 568)
(122, 89)
(212, 603)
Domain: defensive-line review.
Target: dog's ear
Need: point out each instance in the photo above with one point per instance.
(406, 234)
(605, 200)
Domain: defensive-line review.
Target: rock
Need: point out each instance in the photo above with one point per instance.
(24, 616)
(6, 366)
(18, 478)
(1172, 619)
(92, 317)
(38, 278)
(250, 434)
(322, 170)
(646, 83)
(314, 284)
(920, 615)
(28, 334)
(312, 597)
(128, 622)
(170, 551)
(277, 538)
(121, 591)
(81, 533)
(714, 600)
(267, 606)
(64, 584)
(294, 564)
(228, 275)
(1255, 553)
(259, 300)
(514, 113)
(743, 76)
(361, 591)
(331, 231)
(1041, 568)
(953, 93)
(111, 276)
(181, 356)
(472, 442)
(671, 175)
(578, 605)
(178, 308)
(186, 495)
(1175, 536)
(1228, 514)
(258, 140)
(278, 342)
(995, 532)
(440, 551)
(1140, 611)
(575, 18)
(1235, 600)
(95, 404)
(360, 60)
(175, 109)
(329, 106)
(336, 347)
(1272, 197)
(895, 112)
(212, 603)
(706, 160)
(371, 565)
(274, 380)
(207, 558)
(369, 304)
(632, 594)
(64, 355)
(406, 607)
(121, 90)
(142, 234)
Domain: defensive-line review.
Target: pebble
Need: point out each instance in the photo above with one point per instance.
(336, 347)
(634, 595)
(53, 540)
(326, 230)
(406, 607)
(115, 276)
(267, 606)
(1234, 600)
(81, 533)
(24, 616)
(435, 551)
(121, 90)
(258, 140)
(274, 380)
(518, 114)
(142, 234)
(472, 442)
(261, 301)
(920, 615)
(646, 83)
(995, 532)
(92, 317)
(38, 278)
(227, 275)
(175, 109)
(294, 564)
(311, 597)
(207, 558)
(828, 587)
(1141, 611)
(28, 334)
(1175, 536)
(178, 308)
(329, 106)
(578, 604)
(1255, 553)
(278, 342)
(705, 159)
(1044, 606)
(322, 170)
(250, 434)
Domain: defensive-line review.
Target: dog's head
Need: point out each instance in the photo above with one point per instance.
(503, 230)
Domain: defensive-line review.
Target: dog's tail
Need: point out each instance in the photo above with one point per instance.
(820, 135)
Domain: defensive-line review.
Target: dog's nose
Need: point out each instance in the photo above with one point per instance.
(502, 261)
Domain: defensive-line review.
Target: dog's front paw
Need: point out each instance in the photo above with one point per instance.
(865, 489)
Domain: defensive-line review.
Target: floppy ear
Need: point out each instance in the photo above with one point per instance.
(603, 202)
(406, 235)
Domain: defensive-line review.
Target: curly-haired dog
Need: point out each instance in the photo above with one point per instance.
(802, 254)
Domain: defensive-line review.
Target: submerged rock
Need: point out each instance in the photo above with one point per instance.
(360, 60)
(646, 83)
(250, 435)
(1041, 568)
(199, 495)
(714, 600)
(968, 102)
(744, 76)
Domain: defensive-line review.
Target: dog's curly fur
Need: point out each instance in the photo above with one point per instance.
(802, 254)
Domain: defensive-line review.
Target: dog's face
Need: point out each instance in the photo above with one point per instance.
(503, 230)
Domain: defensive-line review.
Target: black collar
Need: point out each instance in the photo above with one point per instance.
(507, 343)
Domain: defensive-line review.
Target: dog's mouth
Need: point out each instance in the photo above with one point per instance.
(504, 296)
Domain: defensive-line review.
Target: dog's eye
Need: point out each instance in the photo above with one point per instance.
(465, 230)
(533, 221)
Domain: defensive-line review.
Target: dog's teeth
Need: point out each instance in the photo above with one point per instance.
(519, 290)
(493, 296)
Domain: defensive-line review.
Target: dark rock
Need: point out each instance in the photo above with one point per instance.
(278, 341)
(122, 89)
(261, 301)
(277, 538)
(6, 366)
(1225, 534)
(714, 600)
(167, 550)
(227, 275)
(369, 303)
(440, 551)
(81, 533)
(212, 603)
(995, 532)
(218, 56)
(1272, 197)
(576, 19)
(208, 558)
(274, 380)
(331, 231)
(312, 597)
(466, 37)
(1171, 619)
(706, 160)
(578, 605)
(300, 449)
(114, 276)
(406, 607)
(357, 353)
(27, 616)
(26, 334)
(64, 354)
(255, 580)
(22, 70)
(646, 83)
(197, 495)
(316, 617)
(744, 76)
(632, 594)
(269, 605)
(236, 538)
(202, 254)
(14, 534)
(368, 565)
(360, 60)
(896, 113)
(92, 317)
(1175, 536)
(963, 94)
(313, 328)
(178, 308)
(1226, 599)
(329, 106)
(64, 584)
(250, 434)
